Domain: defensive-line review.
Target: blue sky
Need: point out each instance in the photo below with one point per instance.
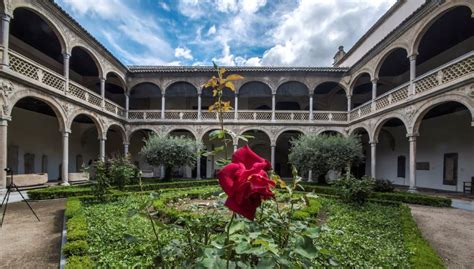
(229, 32)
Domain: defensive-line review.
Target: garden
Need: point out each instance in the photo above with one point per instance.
(247, 218)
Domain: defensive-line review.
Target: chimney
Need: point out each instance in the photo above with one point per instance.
(339, 54)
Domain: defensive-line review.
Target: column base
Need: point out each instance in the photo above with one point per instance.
(65, 184)
(412, 189)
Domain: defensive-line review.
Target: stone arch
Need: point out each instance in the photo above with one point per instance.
(140, 128)
(361, 127)
(267, 83)
(170, 83)
(136, 82)
(357, 76)
(289, 80)
(121, 129)
(428, 105)
(53, 25)
(51, 102)
(387, 53)
(423, 28)
(313, 89)
(381, 121)
(94, 57)
(289, 129)
(183, 128)
(119, 76)
(332, 129)
(101, 130)
(253, 128)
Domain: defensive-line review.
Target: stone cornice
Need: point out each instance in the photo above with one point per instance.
(181, 69)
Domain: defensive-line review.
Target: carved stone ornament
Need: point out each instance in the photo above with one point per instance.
(5, 109)
(6, 87)
(410, 113)
(67, 108)
(470, 91)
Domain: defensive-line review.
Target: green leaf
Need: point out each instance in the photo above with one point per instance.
(237, 227)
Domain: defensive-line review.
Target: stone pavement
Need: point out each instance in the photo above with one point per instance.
(27, 243)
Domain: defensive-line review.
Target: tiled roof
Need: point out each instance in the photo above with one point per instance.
(152, 69)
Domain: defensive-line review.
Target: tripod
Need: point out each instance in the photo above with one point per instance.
(7, 196)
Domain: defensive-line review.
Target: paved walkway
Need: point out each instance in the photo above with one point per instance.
(27, 243)
(450, 231)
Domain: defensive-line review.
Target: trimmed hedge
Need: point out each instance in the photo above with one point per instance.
(422, 254)
(74, 191)
(76, 247)
(404, 197)
(312, 209)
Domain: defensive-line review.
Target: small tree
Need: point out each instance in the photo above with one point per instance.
(320, 153)
(170, 152)
(102, 180)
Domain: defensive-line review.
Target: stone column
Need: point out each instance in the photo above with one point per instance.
(310, 176)
(3, 153)
(66, 57)
(5, 36)
(374, 89)
(349, 101)
(412, 59)
(65, 163)
(199, 107)
(102, 149)
(273, 106)
(102, 90)
(373, 160)
(236, 146)
(162, 171)
(236, 109)
(311, 107)
(127, 105)
(198, 167)
(273, 146)
(125, 148)
(412, 167)
(163, 106)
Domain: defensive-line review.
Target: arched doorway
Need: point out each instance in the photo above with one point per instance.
(208, 164)
(445, 156)
(260, 143)
(361, 90)
(183, 171)
(145, 96)
(282, 149)
(393, 71)
(34, 145)
(115, 89)
(84, 144)
(363, 168)
(292, 95)
(181, 96)
(255, 95)
(114, 145)
(84, 69)
(137, 141)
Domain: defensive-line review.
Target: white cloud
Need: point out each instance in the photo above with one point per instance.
(164, 6)
(212, 30)
(183, 52)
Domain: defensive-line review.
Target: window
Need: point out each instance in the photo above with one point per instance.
(450, 169)
(401, 169)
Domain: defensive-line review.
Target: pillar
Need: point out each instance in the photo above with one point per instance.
(273, 146)
(236, 104)
(311, 107)
(412, 59)
(127, 105)
(5, 36)
(163, 106)
(66, 57)
(236, 146)
(198, 167)
(162, 171)
(310, 176)
(125, 149)
(65, 163)
(102, 90)
(102, 149)
(349, 101)
(273, 106)
(3, 153)
(199, 107)
(373, 156)
(412, 142)
(374, 89)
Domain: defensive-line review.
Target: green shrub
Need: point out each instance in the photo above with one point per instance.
(73, 206)
(311, 210)
(76, 228)
(355, 190)
(121, 172)
(58, 192)
(422, 254)
(79, 262)
(383, 185)
(102, 180)
(77, 248)
(413, 198)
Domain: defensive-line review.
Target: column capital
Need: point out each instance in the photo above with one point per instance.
(348, 96)
(102, 79)
(273, 145)
(66, 55)
(412, 57)
(374, 80)
(4, 122)
(373, 143)
(6, 17)
(412, 136)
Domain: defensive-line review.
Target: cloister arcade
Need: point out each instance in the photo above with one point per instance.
(410, 99)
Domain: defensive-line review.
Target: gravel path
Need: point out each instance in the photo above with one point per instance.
(450, 231)
(27, 243)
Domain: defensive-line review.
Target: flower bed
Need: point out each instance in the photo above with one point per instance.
(118, 235)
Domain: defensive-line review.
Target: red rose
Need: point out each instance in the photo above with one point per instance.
(246, 182)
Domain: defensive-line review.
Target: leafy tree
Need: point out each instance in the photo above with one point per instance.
(171, 152)
(102, 180)
(321, 153)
